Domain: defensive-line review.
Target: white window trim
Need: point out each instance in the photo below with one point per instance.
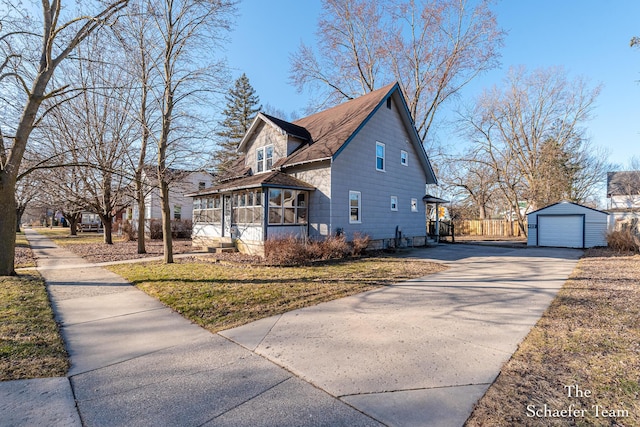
(404, 158)
(264, 158)
(394, 203)
(384, 156)
(359, 220)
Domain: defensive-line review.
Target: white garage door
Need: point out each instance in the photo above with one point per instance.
(562, 231)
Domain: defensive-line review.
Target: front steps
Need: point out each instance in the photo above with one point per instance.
(221, 245)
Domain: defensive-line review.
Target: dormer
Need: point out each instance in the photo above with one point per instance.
(270, 140)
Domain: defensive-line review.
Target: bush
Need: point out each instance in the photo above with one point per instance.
(180, 229)
(293, 251)
(128, 232)
(155, 229)
(623, 241)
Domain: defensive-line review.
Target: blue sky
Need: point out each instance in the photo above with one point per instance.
(589, 38)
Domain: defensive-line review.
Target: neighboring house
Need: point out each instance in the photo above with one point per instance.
(623, 194)
(359, 167)
(182, 183)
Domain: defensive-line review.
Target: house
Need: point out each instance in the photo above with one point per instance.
(182, 182)
(567, 225)
(359, 167)
(623, 199)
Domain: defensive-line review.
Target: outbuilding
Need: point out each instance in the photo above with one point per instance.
(568, 225)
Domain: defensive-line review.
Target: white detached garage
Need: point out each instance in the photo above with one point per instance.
(567, 225)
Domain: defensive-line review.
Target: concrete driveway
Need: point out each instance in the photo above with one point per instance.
(419, 353)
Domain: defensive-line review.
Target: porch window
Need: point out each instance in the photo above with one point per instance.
(264, 158)
(355, 210)
(207, 210)
(247, 207)
(287, 206)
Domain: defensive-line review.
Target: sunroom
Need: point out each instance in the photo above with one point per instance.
(251, 210)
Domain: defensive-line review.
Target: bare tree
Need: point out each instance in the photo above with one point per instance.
(433, 48)
(188, 31)
(531, 134)
(471, 175)
(25, 74)
(95, 130)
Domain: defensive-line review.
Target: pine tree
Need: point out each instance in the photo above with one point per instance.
(242, 107)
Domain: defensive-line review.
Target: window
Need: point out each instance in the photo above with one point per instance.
(404, 158)
(177, 212)
(202, 185)
(379, 156)
(207, 210)
(247, 207)
(264, 158)
(355, 210)
(394, 203)
(414, 205)
(287, 206)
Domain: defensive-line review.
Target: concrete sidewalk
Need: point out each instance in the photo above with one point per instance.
(418, 353)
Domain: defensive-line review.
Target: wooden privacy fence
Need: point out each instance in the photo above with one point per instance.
(488, 227)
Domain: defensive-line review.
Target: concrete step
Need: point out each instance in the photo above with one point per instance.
(226, 249)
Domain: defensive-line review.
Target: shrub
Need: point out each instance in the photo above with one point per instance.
(181, 229)
(155, 229)
(623, 241)
(128, 232)
(293, 251)
(359, 243)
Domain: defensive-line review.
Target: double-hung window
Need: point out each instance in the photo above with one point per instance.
(404, 158)
(355, 207)
(264, 158)
(394, 203)
(380, 159)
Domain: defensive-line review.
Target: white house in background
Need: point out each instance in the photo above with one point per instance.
(623, 198)
(567, 225)
(359, 167)
(182, 183)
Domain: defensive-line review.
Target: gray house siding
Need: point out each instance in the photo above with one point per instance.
(318, 175)
(354, 169)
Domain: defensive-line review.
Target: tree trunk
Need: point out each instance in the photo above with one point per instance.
(8, 222)
(19, 212)
(107, 224)
(141, 211)
(73, 223)
(166, 222)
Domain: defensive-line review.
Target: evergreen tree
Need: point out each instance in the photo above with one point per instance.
(242, 107)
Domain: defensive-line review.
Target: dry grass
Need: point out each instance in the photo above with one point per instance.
(30, 342)
(221, 296)
(590, 337)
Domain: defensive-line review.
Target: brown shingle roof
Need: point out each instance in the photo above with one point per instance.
(270, 179)
(330, 129)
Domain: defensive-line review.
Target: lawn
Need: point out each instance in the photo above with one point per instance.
(590, 338)
(30, 343)
(219, 296)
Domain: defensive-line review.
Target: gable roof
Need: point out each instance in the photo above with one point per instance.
(566, 202)
(625, 183)
(327, 133)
